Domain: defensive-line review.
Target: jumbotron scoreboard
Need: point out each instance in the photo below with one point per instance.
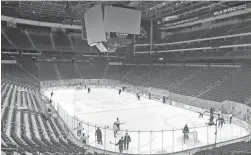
(109, 27)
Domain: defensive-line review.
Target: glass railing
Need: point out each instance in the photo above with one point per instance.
(150, 141)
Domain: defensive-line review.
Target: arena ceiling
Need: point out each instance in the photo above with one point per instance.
(73, 11)
(76, 9)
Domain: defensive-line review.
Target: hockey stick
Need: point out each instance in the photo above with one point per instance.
(122, 123)
(112, 143)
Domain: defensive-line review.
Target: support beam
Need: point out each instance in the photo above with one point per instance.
(8, 39)
(52, 7)
(30, 5)
(31, 41)
(41, 8)
(62, 9)
(151, 35)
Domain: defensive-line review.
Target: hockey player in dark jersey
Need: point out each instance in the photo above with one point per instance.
(185, 132)
(127, 140)
(120, 144)
(99, 136)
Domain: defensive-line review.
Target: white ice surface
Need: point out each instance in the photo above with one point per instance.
(102, 106)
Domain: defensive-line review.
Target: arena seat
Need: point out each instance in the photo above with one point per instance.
(134, 76)
(62, 42)
(25, 127)
(231, 149)
(218, 31)
(236, 88)
(91, 70)
(47, 71)
(5, 43)
(79, 44)
(67, 70)
(221, 30)
(173, 76)
(41, 39)
(201, 81)
(17, 71)
(18, 37)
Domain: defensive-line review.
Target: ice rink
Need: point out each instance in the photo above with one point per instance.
(103, 105)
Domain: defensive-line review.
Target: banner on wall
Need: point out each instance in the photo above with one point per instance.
(231, 9)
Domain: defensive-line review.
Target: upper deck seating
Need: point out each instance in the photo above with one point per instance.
(62, 42)
(67, 70)
(41, 39)
(18, 37)
(79, 44)
(5, 43)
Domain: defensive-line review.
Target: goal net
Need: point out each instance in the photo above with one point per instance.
(79, 87)
(191, 136)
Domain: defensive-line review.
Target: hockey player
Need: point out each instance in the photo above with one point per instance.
(120, 143)
(89, 90)
(211, 120)
(51, 94)
(115, 130)
(127, 140)
(118, 123)
(83, 138)
(221, 121)
(79, 129)
(219, 113)
(185, 132)
(230, 118)
(99, 136)
(201, 113)
(164, 99)
(138, 97)
(119, 91)
(212, 111)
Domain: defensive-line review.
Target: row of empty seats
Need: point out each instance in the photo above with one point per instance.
(240, 148)
(214, 44)
(25, 126)
(42, 40)
(237, 88)
(178, 79)
(241, 27)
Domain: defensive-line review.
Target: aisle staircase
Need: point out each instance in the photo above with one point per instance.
(72, 46)
(78, 71)
(52, 41)
(33, 76)
(189, 77)
(8, 39)
(58, 73)
(105, 71)
(129, 73)
(31, 41)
